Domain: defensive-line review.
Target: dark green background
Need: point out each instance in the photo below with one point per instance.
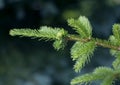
(25, 61)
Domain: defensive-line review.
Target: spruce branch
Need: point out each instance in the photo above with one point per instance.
(103, 70)
(116, 63)
(84, 79)
(47, 33)
(59, 44)
(82, 26)
(100, 73)
(98, 42)
(116, 31)
(82, 52)
(83, 48)
(108, 80)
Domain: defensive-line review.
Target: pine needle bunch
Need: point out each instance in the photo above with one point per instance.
(83, 48)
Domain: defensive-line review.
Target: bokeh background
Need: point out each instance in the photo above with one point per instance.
(25, 61)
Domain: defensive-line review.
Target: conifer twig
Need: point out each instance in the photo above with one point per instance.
(99, 42)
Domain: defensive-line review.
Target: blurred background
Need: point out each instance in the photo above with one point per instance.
(25, 61)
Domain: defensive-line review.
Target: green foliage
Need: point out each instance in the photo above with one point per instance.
(116, 31)
(86, 78)
(115, 39)
(47, 33)
(116, 63)
(59, 44)
(82, 52)
(82, 26)
(108, 80)
(100, 73)
(83, 48)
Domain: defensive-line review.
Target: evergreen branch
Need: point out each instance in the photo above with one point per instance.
(59, 44)
(106, 44)
(103, 71)
(77, 50)
(116, 31)
(44, 32)
(82, 52)
(100, 73)
(116, 63)
(84, 79)
(72, 37)
(82, 26)
(108, 80)
(113, 40)
(98, 42)
(83, 48)
(80, 63)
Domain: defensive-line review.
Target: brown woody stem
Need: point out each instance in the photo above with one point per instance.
(97, 41)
